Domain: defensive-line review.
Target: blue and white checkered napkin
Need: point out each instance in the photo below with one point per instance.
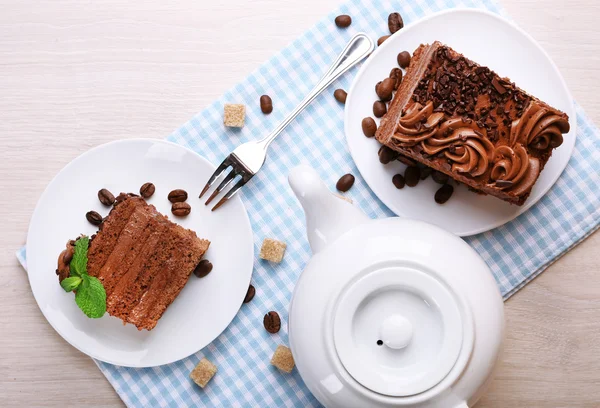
(516, 252)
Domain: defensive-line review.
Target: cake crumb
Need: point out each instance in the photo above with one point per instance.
(204, 371)
(234, 115)
(283, 359)
(272, 250)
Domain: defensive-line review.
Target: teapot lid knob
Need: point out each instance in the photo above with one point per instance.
(396, 331)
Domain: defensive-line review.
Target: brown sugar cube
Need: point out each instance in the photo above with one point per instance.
(283, 359)
(234, 115)
(204, 371)
(272, 250)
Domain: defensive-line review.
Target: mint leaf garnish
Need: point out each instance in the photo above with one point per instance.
(79, 261)
(70, 283)
(91, 297)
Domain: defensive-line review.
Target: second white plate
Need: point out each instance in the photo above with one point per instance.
(491, 41)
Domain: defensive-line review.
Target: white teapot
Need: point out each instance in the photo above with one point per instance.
(390, 312)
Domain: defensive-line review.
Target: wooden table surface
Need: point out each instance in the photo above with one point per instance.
(75, 74)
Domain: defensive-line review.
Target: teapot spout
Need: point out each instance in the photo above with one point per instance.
(327, 215)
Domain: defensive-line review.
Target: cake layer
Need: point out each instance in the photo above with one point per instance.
(464, 120)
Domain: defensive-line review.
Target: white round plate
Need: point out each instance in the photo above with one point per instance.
(203, 309)
(491, 41)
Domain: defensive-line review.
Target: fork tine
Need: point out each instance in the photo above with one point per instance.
(228, 179)
(231, 192)
(215, 176)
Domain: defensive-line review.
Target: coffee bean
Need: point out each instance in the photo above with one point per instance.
(377, 86)
(340, 95)
(250, 294)
(425, 172)
(369, 127)
(387, 155)
(412, 175)
(406, 160)
(343, 21)
(93, 217)
(345, 182)
(395, 22)
(106, 197)
(181, 209)
(439, 177)
(396, 75)
(68, 255)
(266, 104)
(382, 39)
(444, 193)
(147, 190)
(385, 89)
(379, 109)
(203, 268)
(398, 181)
(272, 322)
(404, 59)
(178, 196)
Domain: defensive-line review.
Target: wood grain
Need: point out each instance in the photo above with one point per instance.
(75, 74)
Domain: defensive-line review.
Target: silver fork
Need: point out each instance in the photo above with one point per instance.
(247, 159)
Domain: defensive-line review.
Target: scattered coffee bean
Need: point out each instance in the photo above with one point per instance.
(180, 209)
(369, 127)
(406, 160)
(444, 193)
(412, 175)
(377, 86)
(343, 21)
(387, 155)
(345, 182)
(94, 218)
(147, 190)
(398, 181)
(204, 267)
(178, 196)
(272, 322)
(379, 109)
(425, 172)
(396, 75)
(106, 197)
(439, 177)
(404, 59)
(395, 22)
(385, 89)
(340, 95)
(382, 39)
(250, 294)
(266, 104)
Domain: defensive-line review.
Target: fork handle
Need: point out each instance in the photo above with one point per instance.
(358, 48)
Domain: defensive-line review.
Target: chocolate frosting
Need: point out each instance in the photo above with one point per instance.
(538, 128)
(466, 148)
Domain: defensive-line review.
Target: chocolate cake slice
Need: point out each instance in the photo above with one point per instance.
(142, 259)
(464, 120)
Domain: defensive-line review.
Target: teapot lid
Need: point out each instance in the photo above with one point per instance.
(399, 329)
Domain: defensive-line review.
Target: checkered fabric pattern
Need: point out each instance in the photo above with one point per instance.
(515, 252)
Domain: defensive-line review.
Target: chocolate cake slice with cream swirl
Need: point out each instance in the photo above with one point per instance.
(464, 120)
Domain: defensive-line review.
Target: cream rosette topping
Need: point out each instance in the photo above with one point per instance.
(513, 170)
(460, 140)
(538, 128)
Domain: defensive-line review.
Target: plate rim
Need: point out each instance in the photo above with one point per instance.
(37, 210)
(467, 10)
